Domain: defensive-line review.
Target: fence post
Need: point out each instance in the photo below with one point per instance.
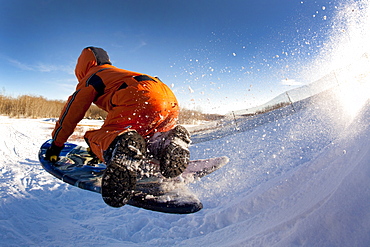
(291, 102)
(236, 124)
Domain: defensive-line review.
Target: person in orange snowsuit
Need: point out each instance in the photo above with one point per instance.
(142, 116)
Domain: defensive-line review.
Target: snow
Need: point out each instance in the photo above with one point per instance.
(295, 178)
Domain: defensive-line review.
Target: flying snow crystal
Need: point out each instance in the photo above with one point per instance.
(323, 8)
(172, 85)
(191, 90)
(234, 54)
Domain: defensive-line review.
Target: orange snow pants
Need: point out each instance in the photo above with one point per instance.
(155, 115)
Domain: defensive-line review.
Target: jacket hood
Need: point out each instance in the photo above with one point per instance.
(89, 58)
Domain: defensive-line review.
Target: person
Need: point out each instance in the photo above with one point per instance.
(141, 123)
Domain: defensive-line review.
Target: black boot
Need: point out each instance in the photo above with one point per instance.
(171, 149)
(123, 159)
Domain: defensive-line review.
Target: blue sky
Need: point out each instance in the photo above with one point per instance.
(217, 55)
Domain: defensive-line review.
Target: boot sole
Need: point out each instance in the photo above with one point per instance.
(119, 179)
(176, 156)
(118, 182)
(174, 161)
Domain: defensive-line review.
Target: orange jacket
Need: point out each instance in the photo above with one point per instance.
(110, 88)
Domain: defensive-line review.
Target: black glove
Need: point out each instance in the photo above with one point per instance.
(52, 154)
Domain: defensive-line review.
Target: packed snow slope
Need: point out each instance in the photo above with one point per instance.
(299, 179)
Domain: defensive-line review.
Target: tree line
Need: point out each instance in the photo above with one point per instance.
(28, 106)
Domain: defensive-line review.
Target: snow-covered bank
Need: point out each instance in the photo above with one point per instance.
(299, 180)
(322, 202)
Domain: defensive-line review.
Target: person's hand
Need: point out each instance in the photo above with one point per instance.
(53, 152)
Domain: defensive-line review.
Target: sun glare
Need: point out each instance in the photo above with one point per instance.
(347, 55)
(354, 93)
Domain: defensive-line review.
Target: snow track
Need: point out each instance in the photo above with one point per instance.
(298, 180)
